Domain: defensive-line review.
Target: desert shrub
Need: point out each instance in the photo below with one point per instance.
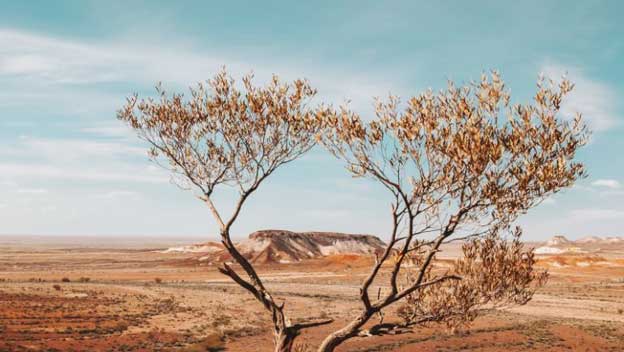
(158, 280)
(302, 347)
(212, 343)
(84, 279)
(220, 319)
(121, 326)
(57, 287)
(65, 279)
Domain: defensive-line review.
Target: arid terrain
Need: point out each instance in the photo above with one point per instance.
(122, 294)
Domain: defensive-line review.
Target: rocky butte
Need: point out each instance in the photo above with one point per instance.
(281, 246)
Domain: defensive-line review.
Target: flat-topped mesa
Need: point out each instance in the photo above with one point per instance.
(286, 246)
(322, 238)
(281, 246)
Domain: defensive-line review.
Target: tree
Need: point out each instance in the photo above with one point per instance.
(226, 137)
(462, 164)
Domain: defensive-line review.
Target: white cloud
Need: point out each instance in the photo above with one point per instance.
(117, 194)
(24, 64)
(79, 173)
(32, 190)
(8, 183)
(590, 214)
(44, 67)
(70, 149)
(608, 183)
(48, 209)
(77, 148)
(116, 130)
(549, 201)
(54, 60)
(613, 193)
(593, 99)
(43, 159)
(324, 214)
(44, 75)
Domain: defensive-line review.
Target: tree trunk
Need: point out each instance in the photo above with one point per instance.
(284, 339)
(332, 341)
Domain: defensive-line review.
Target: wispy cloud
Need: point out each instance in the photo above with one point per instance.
(69, 148)
(32, 190)
(109, 130)
(47, 73)
(549, 201)
(43, 159)
(99, 174)
(8, 183)
(117, 194)
(591, 214)
(608, 183)
(39, 62)
(593, 99)
(51, 60)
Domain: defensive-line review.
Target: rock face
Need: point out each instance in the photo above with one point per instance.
(549, 250)
(590, 244)
(280, 246)
(285, 246)
(207, 247)
(558, 240)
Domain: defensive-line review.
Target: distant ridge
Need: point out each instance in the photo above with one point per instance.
(560, 244)
(561, 240)
(589, 239)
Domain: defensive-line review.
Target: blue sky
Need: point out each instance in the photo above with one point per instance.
(68, 167)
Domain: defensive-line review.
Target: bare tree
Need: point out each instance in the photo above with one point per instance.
(225, 136)
(462, 164)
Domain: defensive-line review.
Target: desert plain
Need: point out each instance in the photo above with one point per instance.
(133, 294)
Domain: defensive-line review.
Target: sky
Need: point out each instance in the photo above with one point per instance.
(68, 167)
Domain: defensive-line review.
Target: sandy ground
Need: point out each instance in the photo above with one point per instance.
(107, 298)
